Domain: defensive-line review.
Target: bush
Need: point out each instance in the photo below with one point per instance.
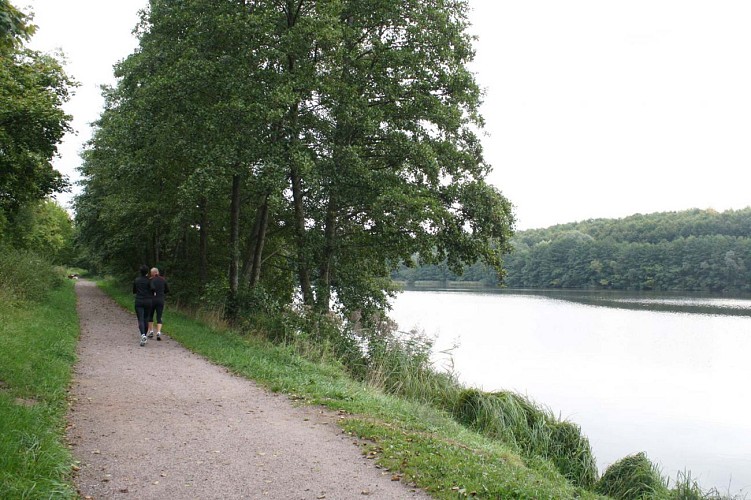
(25, 276)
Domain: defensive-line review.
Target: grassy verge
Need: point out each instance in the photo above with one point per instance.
(420, 445)
(38, 350)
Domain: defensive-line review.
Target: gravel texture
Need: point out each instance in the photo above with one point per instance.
(159, 422)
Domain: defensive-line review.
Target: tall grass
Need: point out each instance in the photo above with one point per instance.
(532, 429)
(38, 339)
(631, 478)
(637, 477)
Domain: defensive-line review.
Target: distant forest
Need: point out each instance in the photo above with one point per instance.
(696, 250)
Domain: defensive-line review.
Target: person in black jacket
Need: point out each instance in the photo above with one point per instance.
(161, 288)
(144, 294)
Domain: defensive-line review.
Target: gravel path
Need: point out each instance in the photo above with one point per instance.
(158, 422)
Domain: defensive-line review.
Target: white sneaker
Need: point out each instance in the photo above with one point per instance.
(143, 340)
(151, 334)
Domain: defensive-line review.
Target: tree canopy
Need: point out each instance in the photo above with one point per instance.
(701, 250)
(303, 148)
(33, 89)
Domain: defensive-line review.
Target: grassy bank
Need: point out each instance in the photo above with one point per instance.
(38, 339)
(427, 429)
(418, 443)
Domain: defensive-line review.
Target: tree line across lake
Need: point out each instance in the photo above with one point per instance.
(696, 250)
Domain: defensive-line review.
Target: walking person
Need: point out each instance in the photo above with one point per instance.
(161, 288)
(144, 293)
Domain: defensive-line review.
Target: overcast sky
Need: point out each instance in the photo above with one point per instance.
(594, 108)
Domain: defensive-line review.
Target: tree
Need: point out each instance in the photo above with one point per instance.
(313, 144)
(395, 168)
(33, 88)
(45, 228)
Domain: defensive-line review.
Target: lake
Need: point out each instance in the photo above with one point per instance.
(666, 374)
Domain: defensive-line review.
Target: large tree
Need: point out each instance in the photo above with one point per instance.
(33, 88)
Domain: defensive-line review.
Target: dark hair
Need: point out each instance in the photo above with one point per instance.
(144, 269)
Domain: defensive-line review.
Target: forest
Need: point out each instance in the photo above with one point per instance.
(692, 250)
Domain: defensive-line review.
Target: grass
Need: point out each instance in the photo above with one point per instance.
(421, 445)
(39, 342)
(463, 443)
(533, 430)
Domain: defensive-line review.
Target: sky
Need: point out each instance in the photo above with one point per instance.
(593, 108)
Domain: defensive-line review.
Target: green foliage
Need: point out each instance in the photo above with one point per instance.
(39, 342)
(533, 430)
(33, 89)
(14, 26)
(304, 150)
(691, 250)
(45, 228)
(633, 477)
(696, 250)
(24, 276)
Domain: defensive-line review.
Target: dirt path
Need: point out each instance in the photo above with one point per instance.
(160, 422)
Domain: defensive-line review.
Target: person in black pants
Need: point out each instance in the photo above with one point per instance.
(160, 287)
(144, 294)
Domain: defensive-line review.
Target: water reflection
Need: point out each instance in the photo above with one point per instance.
(694, 303)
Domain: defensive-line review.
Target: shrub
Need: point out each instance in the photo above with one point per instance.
(26, 276)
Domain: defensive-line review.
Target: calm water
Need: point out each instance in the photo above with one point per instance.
(669, 375)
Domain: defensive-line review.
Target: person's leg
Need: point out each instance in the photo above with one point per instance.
(141, 314)
(150, 319)
(159, 309)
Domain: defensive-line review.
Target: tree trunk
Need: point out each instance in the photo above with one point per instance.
(203, 244)
(303, 269)
(251, 270)
(234, 265)
(323, 287)
(260, 241)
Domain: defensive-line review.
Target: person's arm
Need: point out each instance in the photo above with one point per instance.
(166, 287)
(134, 287)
